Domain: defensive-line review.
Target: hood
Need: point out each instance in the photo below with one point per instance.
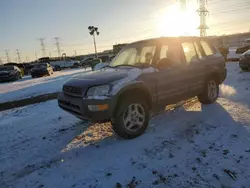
(100, 77)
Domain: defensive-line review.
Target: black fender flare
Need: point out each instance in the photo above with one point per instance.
(137, 86)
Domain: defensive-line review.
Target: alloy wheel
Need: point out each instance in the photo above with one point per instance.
(134, 117)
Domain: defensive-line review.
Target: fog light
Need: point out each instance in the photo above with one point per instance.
(101, 107)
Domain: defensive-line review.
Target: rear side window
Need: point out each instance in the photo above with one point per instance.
(190, 52)
(207, 48)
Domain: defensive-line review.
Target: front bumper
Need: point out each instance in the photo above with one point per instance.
(244, 63)
(78, 106)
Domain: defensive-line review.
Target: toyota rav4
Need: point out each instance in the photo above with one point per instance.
(145, 75)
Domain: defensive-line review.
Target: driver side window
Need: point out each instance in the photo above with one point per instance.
(147, 54)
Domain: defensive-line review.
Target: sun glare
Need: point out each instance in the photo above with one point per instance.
(176, 21)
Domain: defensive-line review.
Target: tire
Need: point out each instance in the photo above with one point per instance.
(57, 68)
(75, 65)
(210, 93)
(17, 76)
(122, 119)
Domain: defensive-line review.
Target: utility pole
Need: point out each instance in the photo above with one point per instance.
(92, 31)
(202, 12)
(43, 49)
(49, 55)
(18, 56)
(1, 62)
(75, 53)
(7, 56)
(58, 46)
(36, 55)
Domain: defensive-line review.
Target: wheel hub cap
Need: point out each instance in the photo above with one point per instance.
(134, 117)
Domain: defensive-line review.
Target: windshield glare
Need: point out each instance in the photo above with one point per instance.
(135, 56)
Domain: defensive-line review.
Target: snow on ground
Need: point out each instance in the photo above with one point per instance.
(28, 87)
(193, 146)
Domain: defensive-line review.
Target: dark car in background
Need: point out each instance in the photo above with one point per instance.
(41, 69)
(144, 76)
(10, 73)
(245, 61)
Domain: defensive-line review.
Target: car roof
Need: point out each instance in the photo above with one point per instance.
(156, 40)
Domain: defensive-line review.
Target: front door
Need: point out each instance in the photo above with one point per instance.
(172, 83)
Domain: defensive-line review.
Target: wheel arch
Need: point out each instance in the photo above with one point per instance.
(214, 73)
(136, 89)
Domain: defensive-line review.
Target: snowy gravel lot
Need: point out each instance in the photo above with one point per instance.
(28, 86)
(192, 146)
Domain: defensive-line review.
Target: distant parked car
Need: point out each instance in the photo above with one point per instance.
(10, 73)
(19, 65)
(94, 62)
(41, 69)
(64, 63)
(145, 75)
(245, 61)
(85, 62)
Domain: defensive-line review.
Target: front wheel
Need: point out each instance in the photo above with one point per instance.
(210, 93)
(131, 119)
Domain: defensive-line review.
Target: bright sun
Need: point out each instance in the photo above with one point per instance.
(175, 21)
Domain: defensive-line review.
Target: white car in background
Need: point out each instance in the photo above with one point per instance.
(65, 63)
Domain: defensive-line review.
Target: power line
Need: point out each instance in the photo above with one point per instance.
(43, 49)
(58, 46)
(18, 56)
(7, 56)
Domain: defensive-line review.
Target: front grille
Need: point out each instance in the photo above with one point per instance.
(72, 90)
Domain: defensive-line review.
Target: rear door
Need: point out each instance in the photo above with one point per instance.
(194, 56)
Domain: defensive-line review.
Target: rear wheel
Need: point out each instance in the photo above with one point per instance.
(210, 93)
(132, 117)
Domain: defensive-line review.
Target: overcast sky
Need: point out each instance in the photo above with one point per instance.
(23, 21)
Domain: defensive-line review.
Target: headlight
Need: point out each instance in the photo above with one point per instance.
(98, 90)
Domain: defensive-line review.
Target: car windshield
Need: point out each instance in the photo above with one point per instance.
(135, 56)
(6, 68)
(42, 65)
